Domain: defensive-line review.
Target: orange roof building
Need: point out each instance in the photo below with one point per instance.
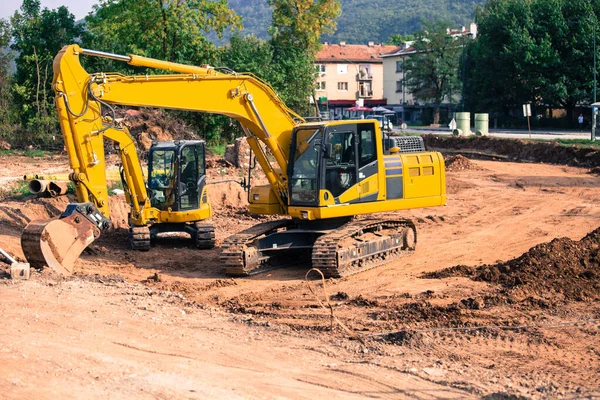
(351, 72)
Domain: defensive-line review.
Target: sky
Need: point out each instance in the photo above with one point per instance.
(79, 8)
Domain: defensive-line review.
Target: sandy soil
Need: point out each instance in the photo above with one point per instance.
(168, 323)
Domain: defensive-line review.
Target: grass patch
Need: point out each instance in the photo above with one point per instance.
(27, 153)
(15, 190)
(578, 142)
(218, 149)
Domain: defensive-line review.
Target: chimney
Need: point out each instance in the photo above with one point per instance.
(342, 43)
(371, 44)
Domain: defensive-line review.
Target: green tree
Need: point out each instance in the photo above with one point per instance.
(171, 30)
(7, 108)
(38, 35)
(536, 51)
(295, 39)
(248, 54)
(431, 74)
(397, 39)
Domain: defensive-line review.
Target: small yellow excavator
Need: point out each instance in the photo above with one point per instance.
(321, 175)
(174, 199)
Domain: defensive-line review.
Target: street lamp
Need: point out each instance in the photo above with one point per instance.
(464, 69)
(594, 25)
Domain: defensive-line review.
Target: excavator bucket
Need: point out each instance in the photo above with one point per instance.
(58, 243)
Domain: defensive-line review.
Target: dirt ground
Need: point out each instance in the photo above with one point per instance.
(489, 306)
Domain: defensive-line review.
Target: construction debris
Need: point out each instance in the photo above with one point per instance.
(18, 270)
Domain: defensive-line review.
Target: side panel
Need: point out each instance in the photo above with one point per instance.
(423, 175)
(394, 181)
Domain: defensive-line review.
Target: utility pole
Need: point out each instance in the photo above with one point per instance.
(593, 136)
(464, 68)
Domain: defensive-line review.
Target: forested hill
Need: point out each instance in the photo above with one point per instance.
(362, 21)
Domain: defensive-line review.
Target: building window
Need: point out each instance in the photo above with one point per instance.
(364, 72)
(343, 86)
(398, 66)
(364, 89)
(320, 85)
(342, 69)
(399, 85)
(320, 68)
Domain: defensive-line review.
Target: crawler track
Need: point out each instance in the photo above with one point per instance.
(204, 238)
(240, 258)
(351, 248)
(139, 238)
(362, 245)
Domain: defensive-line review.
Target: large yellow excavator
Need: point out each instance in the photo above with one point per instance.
(321, 174)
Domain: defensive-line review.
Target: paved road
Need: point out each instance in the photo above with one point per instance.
(513, 133)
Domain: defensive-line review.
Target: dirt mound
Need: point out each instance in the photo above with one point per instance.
(147, 124)
(563, 267)
(460, 163)
(15, 214)
(516, 149)
(227, 196)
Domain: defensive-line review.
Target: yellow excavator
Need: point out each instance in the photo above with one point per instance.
(174, 199)
(321, 174)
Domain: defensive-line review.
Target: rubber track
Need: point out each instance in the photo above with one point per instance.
(205, 236)
(234, 248)
(327, 248)
(139, 238)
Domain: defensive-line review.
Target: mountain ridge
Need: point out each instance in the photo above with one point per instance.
(363, 21)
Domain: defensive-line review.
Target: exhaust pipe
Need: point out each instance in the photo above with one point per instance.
(53, 188)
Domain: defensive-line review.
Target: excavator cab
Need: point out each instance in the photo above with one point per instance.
(177, 195)
(177, 174)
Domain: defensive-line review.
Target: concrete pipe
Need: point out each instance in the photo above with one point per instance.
(53, 188)
(482, 124)
(38, 186)
(57, 188)
(463, 122)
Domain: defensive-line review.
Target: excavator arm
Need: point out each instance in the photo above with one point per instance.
(265, 119)
(84, 104)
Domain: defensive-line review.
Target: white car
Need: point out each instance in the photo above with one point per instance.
(384, 123)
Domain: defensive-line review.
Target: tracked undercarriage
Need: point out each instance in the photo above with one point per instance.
(202, 234)
(339, 248)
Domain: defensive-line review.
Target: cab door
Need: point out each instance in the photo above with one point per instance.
(367, 163)
(190, 166)
(341, 165)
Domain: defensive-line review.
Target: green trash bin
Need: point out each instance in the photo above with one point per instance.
(463, 123)
(482, 124)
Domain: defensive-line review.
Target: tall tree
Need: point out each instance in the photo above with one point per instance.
(431, 74)
(295, 38)
(172, 30)
(7, 109)
(248, 54)
(538, 51)
(38, 35)
(397, 39)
